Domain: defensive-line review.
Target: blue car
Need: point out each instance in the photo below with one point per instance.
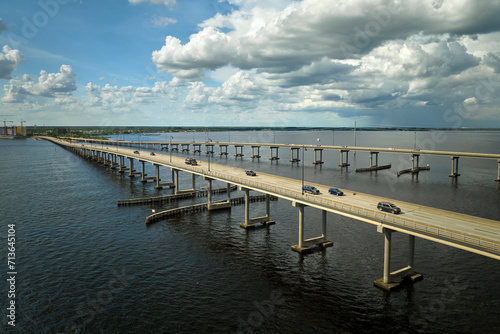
(335, 191)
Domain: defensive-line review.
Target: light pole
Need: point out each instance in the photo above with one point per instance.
(209, 154)
(303, 163)
(171, 148)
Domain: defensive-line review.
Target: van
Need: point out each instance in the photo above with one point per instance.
(310, 189)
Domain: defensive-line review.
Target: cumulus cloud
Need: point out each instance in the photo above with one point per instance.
(162, 21)
(9, 60)
(124, 97)
(156, 2)
(50, 85)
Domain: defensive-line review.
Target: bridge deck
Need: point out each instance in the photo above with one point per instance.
(478, 235)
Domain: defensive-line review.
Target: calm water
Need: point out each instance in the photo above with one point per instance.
(84, 263)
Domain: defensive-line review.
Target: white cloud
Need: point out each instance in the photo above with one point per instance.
(9, 60)
(162, 21)
(49, 85)
(156, 2)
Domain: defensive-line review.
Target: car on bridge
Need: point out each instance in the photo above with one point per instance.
(310, 189)
(336, 191)
(389, 207)
(191, 161)
(136, 152)
(152, 153)
(251, 173)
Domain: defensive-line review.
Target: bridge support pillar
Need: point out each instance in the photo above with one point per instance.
(393, 280)
(274, 153)
(371, 159)
(209, 148)
(342, 163)
(157, 179)
(295, 154)
(309, 245)
(316, 160)
(123, 167)
(197, 148)
(250, 222)
(498, 176)
(132, 171)
(211, 205)
(454, 167)
(240, 153)
(223, 150)
(174, 147)
(185, 148)
(255, 156)
(415, 158)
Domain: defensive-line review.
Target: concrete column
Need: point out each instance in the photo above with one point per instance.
(258, 152)
(247, 207)
(229, 192)
(301, 225)
(209, 192)
(323, 222)
(193, 180)
(158, 177)
(131, 169)
(371, 159)
(411, 250)
(143, 172)
(175, 177)
(274, 157)
(268, 206)
(498, 176)
(387, 256)
(454, 167)
(316, 161)
(342, 163)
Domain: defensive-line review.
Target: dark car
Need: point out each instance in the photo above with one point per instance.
(310, 189)
(250, 173)
(389, 207)
(136, 152)
(336, 191)
(188, 161)
(194, 162)
(152, 153)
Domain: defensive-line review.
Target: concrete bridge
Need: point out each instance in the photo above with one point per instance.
(318, 153)
(469, 233)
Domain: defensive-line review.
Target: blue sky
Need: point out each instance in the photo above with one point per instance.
(429, 63)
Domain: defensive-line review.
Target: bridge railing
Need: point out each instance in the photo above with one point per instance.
(349, 208)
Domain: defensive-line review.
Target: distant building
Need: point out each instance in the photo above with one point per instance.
(14, 131)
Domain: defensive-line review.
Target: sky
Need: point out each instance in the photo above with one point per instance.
(265, 63)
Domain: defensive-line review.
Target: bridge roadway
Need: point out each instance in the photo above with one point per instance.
(474, 234)
(324, 147)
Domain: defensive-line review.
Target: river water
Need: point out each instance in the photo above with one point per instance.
(85, 265)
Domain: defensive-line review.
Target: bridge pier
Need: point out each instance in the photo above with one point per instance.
(250, 222)
(174, 147)
(309, 245)
(197, 148)
(209, 148)
(123, 167)
(454, 167)
(114, 164)
(415, 158)
(393, 280)
(132, 171)
(211, 205)
(274, 157)
(143, 174)
(295, 158)
(342, 163)
(255, 156)
(161, 185)
(498, 175)
(373, 166)
(185, 148)
(240, 153)
(371, 159)
(176, 183)
(223, 150)
(316, 160)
